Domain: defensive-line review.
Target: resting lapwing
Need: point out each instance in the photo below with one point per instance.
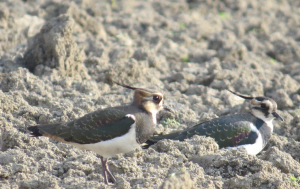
(251, 130)
(110, 131)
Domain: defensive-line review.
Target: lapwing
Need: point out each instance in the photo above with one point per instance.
(112, 130)
(251, 130)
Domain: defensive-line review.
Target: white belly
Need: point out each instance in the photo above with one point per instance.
(251, 149)
(108, 148)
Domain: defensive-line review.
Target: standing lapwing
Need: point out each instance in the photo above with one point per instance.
(112, 130)
(251, 130)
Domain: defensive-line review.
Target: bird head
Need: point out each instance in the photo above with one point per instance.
(147, 99)
(262, 107)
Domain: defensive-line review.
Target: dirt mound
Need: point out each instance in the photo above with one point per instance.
(58, 60)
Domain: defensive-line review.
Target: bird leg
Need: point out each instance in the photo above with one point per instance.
(106, 172)
(111, 176)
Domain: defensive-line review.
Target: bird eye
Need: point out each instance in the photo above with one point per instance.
(156, 98)
(263, 106)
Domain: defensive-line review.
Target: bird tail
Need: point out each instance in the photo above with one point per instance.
(155, 139)
(35, 132)
(41, 130)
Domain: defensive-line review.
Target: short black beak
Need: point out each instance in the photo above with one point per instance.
(168, 108)
(277, 116)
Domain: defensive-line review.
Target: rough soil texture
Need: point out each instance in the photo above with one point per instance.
(58, 59)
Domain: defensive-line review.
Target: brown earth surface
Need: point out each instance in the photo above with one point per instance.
(58, 59)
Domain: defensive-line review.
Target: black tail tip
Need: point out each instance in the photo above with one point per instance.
(34, 131)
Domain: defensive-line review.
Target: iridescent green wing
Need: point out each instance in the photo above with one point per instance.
(228, 131)
(97, 126)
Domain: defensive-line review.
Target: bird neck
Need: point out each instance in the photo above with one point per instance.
(268, 120)
(145, 126)
(154, 117)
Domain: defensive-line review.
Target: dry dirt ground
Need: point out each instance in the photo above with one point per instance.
(58, 59)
